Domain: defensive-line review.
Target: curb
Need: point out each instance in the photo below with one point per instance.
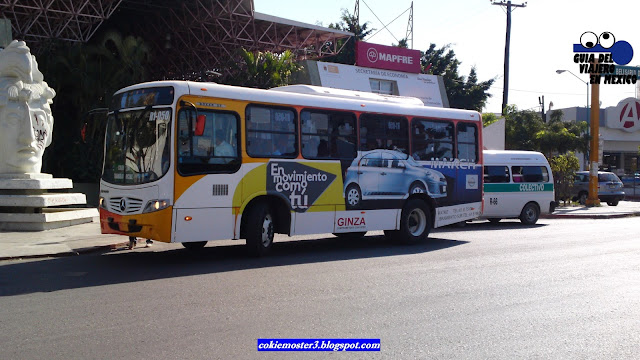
(594, 216)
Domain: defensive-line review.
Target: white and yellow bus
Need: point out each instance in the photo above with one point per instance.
(193, 162)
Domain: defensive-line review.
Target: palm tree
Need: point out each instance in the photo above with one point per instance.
(263, 69)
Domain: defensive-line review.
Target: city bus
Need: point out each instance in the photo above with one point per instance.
(193, 162)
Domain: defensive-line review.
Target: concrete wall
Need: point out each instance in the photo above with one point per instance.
(493, 136)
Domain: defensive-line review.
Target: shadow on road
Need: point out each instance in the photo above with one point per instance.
(505, 224)
(130, 266)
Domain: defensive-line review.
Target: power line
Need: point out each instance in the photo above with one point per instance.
(540, 92)
(384, 26)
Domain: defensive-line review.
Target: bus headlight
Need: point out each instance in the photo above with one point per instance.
(155, 205)
(101, 203)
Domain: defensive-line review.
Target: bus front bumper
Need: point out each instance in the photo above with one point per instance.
(154, 226)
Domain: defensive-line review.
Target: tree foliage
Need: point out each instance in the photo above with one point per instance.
(521, 128)
(463, 93)
(525, 130)
(564, 168)
(85, 76)
(560, 137)
(349, 22)
(262, 70)
(489, 118)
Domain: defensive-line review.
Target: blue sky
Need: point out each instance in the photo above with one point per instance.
(542, 38)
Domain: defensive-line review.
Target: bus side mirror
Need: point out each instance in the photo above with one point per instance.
(200, 121)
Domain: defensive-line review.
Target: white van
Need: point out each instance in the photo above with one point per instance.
(517, 184)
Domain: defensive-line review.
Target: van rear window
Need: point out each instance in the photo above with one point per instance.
(530, 174)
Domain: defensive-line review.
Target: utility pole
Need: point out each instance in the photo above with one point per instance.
(505, 93)
(541, 101)
(594, 119)
(356, 12)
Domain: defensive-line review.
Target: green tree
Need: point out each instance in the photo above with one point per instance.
(402, 43)
(560, 137)
(348, 22)
(262, 70)
(463, 93)
(564, 169)
(85, 76)
(525, 130)
(521, 128)
(489, 118)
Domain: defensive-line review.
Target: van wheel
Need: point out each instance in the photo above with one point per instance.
(530, 214)
(353, 196)
(259, 230)
(494, 220)
(194, 246)
(613, 203)
(582, 198)
(350, 235)
(415, 223)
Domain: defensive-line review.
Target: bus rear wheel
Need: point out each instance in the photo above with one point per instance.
(415, 223)
(260, 229)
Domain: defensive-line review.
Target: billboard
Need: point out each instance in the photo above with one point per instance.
(387, 57)
(422, 86)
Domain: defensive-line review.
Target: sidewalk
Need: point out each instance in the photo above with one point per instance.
(85, 238)
(72, 240)
(604, 211)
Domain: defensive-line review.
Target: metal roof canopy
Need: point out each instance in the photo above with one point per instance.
(199, 34)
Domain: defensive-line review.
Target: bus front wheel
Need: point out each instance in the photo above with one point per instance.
(259, 230)
(415, 223)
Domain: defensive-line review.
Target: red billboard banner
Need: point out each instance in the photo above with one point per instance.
(387, 57)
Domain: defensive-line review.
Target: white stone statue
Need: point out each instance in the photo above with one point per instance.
(26, 123)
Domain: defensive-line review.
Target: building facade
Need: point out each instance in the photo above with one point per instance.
(619, 130)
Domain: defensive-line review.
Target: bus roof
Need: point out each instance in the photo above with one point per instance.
(348, 94)
(308, 96)
(502, 157)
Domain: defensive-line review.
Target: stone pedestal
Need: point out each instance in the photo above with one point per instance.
(27, 205)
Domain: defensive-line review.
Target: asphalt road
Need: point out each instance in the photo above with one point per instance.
(565, 289)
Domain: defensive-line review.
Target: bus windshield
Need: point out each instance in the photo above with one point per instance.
(137, 146)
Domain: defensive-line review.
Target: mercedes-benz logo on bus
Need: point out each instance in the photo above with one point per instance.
(372, 55)
(123, 204)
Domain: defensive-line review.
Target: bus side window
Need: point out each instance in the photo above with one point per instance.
(271, 132)
(384, 132)
(184, 138)
(431, 139)
(214, 149)
(328, 134)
